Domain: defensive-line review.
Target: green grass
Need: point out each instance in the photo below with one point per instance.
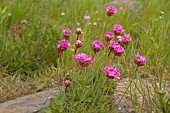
(34, 49)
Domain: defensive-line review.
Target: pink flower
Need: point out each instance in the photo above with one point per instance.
(109, 36)
(67, 33)
(140, 60)
(94, 23)
(67, 83)
(87, 17)
(78, 31)
(79, 43)
(64, 43)
(83, 59)
(112, 73)
(125, 39)
(110, 10)
(19, 27)
(118, 29)
(62, 46)
(114, 44)
(13, 28)
(78, 23)
(97, 45)
(118, 51)
(24, 21)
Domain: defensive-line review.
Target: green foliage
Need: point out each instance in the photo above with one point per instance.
(88, 92)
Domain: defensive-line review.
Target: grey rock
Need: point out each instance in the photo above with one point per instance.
(131, 4)
(34, 103)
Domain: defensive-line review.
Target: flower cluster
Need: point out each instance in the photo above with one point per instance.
(140, 60)
(118, 29)
(110, 10)
(62, 46)
(109, 36)
(112, 73)
(66, 33)
(125, 39)
(83, 59)
(97, 45)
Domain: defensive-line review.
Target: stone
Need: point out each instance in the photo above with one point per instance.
(34, 103)
(131, 4)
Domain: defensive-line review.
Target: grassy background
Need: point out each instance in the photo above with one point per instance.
(35, 48)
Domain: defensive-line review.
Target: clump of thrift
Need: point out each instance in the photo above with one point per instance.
(112, 73)
(62, 46)
(110, 10)
(67, 33)
(118, 29)
(140, 60)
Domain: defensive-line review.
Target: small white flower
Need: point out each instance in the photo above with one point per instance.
(62, 13)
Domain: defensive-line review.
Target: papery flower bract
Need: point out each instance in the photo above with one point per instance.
(118, 51)
(13, 28)
(112, 73)
(109, 36)
(140, 60)
(83, 59)
(24, 21)
(67, 83)
(19, 27)
(87, 17)
(79, 43)
(110, 10)
(97, 45)
(78, 31)
(67, 33)
(125, 39)
(118, 29)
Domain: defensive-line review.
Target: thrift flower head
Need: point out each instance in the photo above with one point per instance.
(118, 51)
(66, 33)
(19, 27)
(114, 44)
(67, 83)
(13, 28)
(97, 45)
(24, 21)
(83, 59)
(87, 17)
(109, 36)
(140, 60)
(112, 73)
(110, 10)
(125, 39)
(64, 43)
(78, 31)
(79, 43)
(118, 29)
